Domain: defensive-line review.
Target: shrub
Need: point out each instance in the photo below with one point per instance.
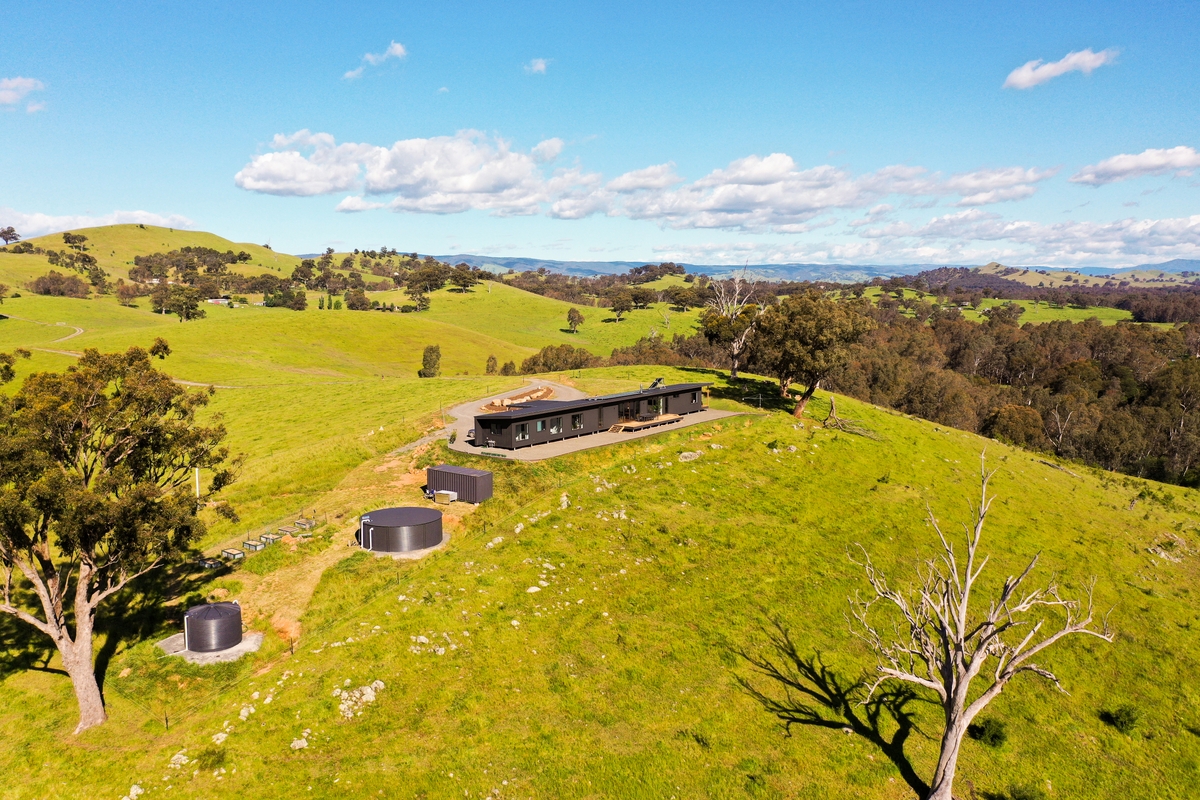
(55, 284)
(356, 300)
(431, 362)
(988, 730)
(509, 368)
(553, 358)
(1123, 718)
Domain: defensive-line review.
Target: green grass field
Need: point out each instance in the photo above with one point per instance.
(1035, 311)
(620, 676)
(115, 247)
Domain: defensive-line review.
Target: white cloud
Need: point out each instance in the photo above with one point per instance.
(438, 175)
(1180, 160)
(772, 194)
(548, 150)
(451, 174)
(1118, 241)
(443, 90)
(14, 90)
(659, 176)
(33, 108)
(537, 66)
(303, 164)
(394, 50)
(1033, 73)
(37, 224)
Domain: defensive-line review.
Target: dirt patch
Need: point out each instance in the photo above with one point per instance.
(529, 395)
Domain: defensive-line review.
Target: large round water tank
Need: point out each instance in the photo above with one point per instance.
(399, 530)
(212, 627)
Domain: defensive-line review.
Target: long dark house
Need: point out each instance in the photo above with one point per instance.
(542, 421)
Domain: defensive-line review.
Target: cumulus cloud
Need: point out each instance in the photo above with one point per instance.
(469, 170)
(548, 150)
(772, 193)
(437, 175)
(537, 66)
(1180, 160)
(1034, 73)
(304, 164)
(659, 176)
(38, 224)
(1118, 241)
(394, 50)
(14, 90)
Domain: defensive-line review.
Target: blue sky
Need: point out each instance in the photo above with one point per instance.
(708, 133)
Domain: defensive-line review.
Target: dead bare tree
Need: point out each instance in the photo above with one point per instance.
(941, 646)
(731, 317)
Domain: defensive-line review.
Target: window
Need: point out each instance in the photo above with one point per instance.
(556, 425)
(522, 431)
(577, 422)
(695, 397)
(600, 415)
(541, 425)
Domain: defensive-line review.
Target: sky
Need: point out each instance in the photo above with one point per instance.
(1062, 134)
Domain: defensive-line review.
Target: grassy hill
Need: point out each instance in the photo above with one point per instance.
(1068, 279)
(1035, 310)
(619, 677)
(115, 247)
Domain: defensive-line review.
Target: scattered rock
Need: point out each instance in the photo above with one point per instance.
(689, 456)
(531, 590)
(299, 744)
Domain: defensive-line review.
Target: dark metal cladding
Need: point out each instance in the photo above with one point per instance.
(472, 485)
(400, 530)
(212, 627)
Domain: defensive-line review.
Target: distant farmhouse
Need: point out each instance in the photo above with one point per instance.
(541, 421)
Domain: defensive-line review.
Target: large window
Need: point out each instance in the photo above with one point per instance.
(695, 397)
(522, 431)
(541, 425)
(577, 422)
(556, 425)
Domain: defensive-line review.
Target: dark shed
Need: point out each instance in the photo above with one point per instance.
(472, 485)
(399, 530)
(212, 627)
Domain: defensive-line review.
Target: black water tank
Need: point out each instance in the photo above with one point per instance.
(472, 485)
(212, 627)
(399, 530)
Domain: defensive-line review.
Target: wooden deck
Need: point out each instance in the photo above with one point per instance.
(633, 426)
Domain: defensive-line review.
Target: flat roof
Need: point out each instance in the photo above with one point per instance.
(538, 407)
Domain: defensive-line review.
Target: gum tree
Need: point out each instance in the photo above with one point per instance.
(96, 489)
(945, 646)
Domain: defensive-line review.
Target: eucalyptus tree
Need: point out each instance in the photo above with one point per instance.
(96, 471)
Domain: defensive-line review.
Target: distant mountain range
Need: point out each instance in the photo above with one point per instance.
(841, 273)
(844, 273)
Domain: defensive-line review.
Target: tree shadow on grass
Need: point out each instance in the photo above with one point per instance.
(139, 611)
(813, 694)
(22, 648)
(755, 392)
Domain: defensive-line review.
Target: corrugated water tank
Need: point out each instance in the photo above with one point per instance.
(399, 530)
(212, 627)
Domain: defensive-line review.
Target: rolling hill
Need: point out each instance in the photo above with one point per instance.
(620, 675)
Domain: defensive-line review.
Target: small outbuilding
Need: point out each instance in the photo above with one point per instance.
(212, 627)
(471, 485)
(400, 530)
